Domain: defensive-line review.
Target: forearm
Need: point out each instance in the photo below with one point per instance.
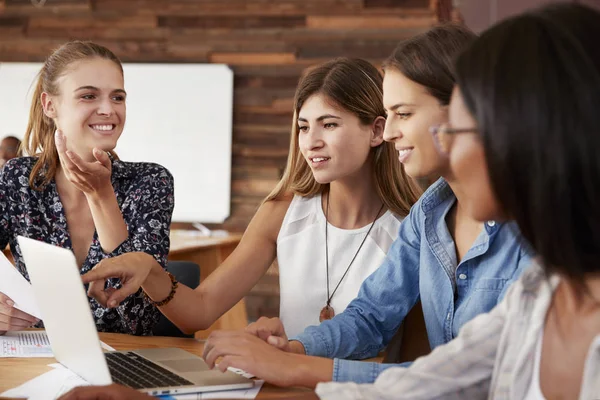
(108, 220)
(311, 370)
(185, 309)
(348, 335)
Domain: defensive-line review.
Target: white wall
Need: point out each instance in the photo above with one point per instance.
(178, 115)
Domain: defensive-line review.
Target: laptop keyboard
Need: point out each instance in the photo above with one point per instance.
(131, 370)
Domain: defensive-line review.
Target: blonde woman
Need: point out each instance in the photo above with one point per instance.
(329, 222)
(73, 192)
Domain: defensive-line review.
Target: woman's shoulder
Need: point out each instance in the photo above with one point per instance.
(391, 221)
(535, 278)
(295, 211)
(141, 171)
(16, 167)
(433, 199)
(533, 288)
(301, 207)
(21, 163)
(279, 205)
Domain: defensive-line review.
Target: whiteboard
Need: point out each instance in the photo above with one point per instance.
(178, 115)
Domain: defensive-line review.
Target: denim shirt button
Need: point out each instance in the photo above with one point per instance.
(462, 276)
(491, 224)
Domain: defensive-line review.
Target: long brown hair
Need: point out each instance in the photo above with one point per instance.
(356, 86)
(39, 136)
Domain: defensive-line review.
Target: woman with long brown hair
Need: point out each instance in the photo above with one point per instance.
(73, 192)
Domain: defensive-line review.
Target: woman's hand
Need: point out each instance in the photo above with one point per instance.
(242, 350)
(131, 268)
(92, 178)
(12, 319)
(111, 392)
(270, 330)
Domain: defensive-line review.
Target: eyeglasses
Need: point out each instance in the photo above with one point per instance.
(443, 136)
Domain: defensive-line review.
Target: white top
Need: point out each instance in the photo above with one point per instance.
(302, 268)
(535, 390)
(492, 356)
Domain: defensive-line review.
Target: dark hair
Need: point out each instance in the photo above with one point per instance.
(428, 58)
(19, 151)
(532, 83)
(10, 137)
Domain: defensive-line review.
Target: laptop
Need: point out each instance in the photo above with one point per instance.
(65, 310)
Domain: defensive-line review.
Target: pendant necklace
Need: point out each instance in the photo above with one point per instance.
(327, 312)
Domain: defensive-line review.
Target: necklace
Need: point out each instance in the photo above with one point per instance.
(327, 312)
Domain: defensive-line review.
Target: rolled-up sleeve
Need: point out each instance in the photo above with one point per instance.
(359, 371)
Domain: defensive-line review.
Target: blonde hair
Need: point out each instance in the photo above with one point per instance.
(39, 136)
(356, 86)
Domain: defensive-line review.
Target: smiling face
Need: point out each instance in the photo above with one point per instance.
(90, 105)
(333, 141)
(411, 111)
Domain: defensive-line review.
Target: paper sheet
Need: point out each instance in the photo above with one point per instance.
(106, 347)
(48, 386)
(234, 394)
(15, 286)
(22, 344)
(25, 344)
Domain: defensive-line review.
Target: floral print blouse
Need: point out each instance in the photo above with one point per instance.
(144, 193)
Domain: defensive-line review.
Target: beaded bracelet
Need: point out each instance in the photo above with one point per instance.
(161, 303)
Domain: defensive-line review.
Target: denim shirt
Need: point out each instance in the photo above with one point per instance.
(421, 264)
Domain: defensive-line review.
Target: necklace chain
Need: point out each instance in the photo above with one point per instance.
(355, 254)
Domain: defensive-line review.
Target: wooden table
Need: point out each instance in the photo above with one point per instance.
(16, 371)
(209, 252)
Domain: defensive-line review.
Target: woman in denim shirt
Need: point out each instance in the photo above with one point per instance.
(458, 267)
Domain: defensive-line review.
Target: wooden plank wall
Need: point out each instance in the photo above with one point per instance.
(268, 43)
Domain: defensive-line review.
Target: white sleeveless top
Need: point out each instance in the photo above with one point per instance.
(302, 268)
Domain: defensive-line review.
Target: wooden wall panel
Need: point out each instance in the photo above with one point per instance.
(481, 14)
(267, 43)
